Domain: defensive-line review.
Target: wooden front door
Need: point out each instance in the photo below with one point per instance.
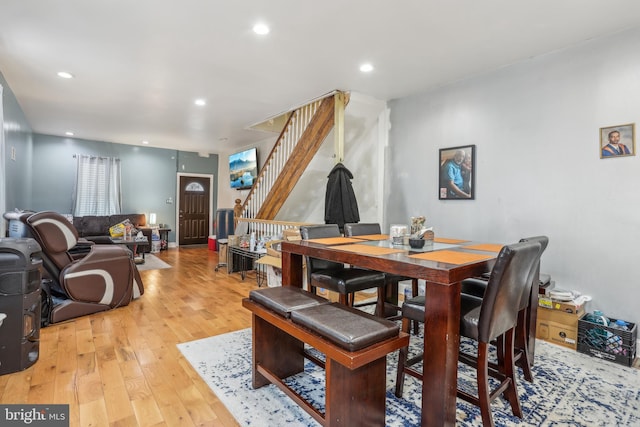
(193, 221)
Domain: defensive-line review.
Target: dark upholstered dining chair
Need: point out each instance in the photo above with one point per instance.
(525, 331)
(105, 278)
(391, 280)
(493, 317)
(337, 277)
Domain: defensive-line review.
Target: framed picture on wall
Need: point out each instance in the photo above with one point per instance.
(457, 167)
(618, 141)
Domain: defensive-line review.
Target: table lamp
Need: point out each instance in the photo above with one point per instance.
(152, 219)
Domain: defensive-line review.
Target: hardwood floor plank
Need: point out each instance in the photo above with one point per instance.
(65, 392)
(42, 392)
(199, 411)
(116, 397)
(17, 388)
(147, 412)
(93, 414)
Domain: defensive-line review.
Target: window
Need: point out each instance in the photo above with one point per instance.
(194, 186)
(97, 189)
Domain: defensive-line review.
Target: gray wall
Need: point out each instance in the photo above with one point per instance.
(536, 128)
(17, 135)
(148, 174)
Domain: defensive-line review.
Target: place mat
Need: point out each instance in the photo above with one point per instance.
(451, 257)
(369, 250)
(490, 247)
(335, 240)
(374, 237)
(445, 240)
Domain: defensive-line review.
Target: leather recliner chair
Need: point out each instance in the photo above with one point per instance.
(105, 278)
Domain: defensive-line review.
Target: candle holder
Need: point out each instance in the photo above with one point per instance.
(397, 232)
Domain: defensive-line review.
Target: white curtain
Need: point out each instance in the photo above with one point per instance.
(97, 189)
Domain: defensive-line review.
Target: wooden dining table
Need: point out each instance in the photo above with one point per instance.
(443, 264)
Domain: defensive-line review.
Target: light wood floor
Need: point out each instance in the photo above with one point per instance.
(122, 367)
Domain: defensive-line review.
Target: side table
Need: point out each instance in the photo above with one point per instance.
(164, 237)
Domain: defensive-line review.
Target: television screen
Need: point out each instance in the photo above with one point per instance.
(243, 168)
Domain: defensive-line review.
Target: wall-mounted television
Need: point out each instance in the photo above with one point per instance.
(243, 168)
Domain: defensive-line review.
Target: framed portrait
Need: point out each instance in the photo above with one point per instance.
(618, 141)
(457, 167)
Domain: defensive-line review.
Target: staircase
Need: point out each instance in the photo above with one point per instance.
(302, 135)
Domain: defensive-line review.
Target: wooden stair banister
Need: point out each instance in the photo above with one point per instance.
(306, 147)
(305, 150)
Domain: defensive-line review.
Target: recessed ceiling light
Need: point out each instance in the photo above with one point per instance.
(145, 142)
(366, 68)
(69, 133)
(261, 29)
(200, 102)
(65, 75)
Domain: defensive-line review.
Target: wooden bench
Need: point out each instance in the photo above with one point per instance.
(355, 378)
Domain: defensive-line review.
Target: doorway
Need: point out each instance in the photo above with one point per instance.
(194, 204)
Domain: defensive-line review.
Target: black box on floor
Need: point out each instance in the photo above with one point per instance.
(20, 299)
(612, 344)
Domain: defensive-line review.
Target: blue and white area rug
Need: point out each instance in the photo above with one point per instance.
(570, 389)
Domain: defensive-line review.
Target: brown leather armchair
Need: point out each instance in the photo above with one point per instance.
(105, 278)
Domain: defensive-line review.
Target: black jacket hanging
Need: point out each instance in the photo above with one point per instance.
(340, 205)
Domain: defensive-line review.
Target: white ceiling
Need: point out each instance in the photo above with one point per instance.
(139, 65)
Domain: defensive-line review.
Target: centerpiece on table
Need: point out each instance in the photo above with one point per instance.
(420, 235)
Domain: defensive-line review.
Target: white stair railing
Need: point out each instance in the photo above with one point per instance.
(266, 228)
(277, 160)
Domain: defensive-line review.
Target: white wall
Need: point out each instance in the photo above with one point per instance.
(536, 130)
(361, 156)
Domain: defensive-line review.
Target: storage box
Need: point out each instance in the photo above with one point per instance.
(605, 342)
(273, 248)
(571, 307)
(558, 327)
(291, 234)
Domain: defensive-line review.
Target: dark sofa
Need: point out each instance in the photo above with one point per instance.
(96, 228)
